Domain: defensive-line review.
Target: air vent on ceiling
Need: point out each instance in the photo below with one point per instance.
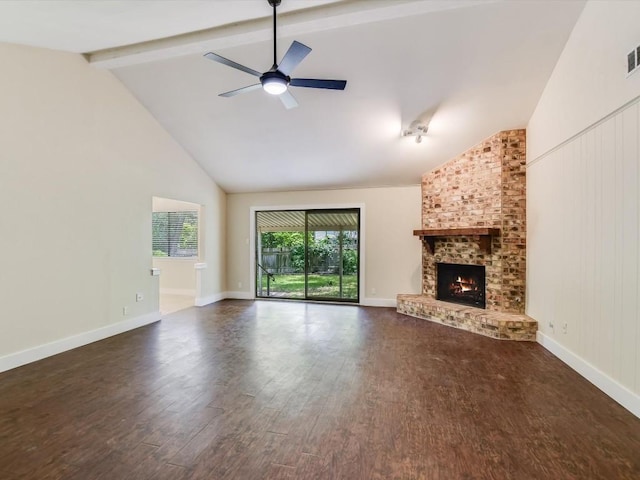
(633, 61)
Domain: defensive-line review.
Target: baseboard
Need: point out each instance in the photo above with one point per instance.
(367, 302)
(240, 295)
(34, 354)
(620, 393)
(379, 302)
(202, 301)
(178, 291)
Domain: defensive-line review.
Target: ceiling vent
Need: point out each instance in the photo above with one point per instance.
(633, 61)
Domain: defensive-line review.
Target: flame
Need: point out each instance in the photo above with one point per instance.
(465, 285)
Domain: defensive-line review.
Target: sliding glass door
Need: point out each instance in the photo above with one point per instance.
(308, 254)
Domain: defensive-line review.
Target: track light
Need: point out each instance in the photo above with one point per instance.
(416, 129)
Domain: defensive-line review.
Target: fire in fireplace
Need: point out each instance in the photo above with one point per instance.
(464, 284)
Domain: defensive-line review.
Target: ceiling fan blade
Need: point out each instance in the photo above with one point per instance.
(315, 83)
(238, 91)
(296, 53)
(288, 100)
(230, 63)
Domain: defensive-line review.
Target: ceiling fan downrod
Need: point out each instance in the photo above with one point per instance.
(274, 4)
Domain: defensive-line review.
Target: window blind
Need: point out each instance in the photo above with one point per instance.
(175, 234)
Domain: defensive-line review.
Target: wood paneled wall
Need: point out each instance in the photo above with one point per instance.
(583, 264)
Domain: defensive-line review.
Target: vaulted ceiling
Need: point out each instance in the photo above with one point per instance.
(467, 68)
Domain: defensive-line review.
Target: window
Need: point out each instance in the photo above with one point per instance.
(175, 234)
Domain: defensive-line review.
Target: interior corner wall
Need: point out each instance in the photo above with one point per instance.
(583, 204)
(80, 161)
(392, 258)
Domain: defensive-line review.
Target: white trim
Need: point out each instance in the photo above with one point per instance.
(582, 132)
(379, 302)
(618, 392)
(216, 297)
(188, 292)
(177, 259)
(240, 295)
(17, 359)
(200, 300)
(361, 239)
(361, 252)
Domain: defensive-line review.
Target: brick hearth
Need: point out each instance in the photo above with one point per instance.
(484, 187)
(504, 326)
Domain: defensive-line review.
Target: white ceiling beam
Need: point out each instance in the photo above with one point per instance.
(334, 15)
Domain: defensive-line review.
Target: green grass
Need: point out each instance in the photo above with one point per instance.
(319, 286)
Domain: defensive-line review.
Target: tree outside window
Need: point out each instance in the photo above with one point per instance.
(175, 234)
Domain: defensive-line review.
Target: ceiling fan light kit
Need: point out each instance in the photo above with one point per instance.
(273, 83)
(277, 80)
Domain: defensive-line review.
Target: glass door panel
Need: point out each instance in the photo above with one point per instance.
(280, 254)
(332, 243)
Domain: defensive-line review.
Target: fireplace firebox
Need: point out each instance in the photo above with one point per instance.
(463, 284)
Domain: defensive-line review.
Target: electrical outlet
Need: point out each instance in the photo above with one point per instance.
(239, 284)
(550, 324)
(125, 310)
(373, 291)
(139, 297)
(565, 327)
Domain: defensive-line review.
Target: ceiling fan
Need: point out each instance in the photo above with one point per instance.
(277, 80)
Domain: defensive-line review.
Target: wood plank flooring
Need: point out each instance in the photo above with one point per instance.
(282, 390)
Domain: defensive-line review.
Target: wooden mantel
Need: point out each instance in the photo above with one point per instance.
(485, 234)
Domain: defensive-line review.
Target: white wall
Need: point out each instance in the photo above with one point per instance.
(79, 163)
(392, 256)
(583, 200)
(589, 80)
(177, 275)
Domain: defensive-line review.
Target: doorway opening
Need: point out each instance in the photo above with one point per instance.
(308, 254)
(176, 252)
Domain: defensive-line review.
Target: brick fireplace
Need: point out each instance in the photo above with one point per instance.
(473, 214)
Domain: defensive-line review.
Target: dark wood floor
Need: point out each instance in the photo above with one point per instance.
(275, 390)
